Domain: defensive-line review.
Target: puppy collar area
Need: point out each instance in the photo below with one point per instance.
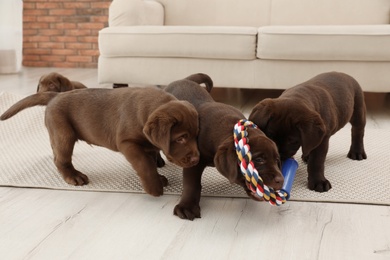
(253, 180)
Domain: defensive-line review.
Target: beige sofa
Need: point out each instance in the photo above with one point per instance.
(264, 44)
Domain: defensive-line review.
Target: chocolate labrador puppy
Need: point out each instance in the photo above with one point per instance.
(57, 83)
(138, 122)
(308, 114)
(216, 145)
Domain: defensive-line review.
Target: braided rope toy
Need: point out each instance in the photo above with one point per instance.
(253, 180)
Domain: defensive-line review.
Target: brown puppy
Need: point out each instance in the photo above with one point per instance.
(216, 145)
(57, 83)
(308, 115)
(138, 122)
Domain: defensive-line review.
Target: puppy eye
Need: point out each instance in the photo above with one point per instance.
(259, 160)
(182, 139)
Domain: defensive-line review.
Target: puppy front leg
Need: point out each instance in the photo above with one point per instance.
(144, 164)
(188, 207)
(316, 167)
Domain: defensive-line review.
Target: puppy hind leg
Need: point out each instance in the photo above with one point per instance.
(356, 151)
(358, 122)
(62, 143)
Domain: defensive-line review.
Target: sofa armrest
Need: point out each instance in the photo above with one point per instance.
(135, 12)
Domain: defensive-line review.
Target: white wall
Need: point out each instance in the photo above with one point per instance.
(11, 39)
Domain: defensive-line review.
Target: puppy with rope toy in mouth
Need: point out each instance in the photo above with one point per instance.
(216, 145)
(253, 180)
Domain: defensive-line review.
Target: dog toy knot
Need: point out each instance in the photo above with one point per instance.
(253, 180)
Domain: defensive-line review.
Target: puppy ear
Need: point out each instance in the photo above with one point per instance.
(39, 83)
(262, 113)
(312, 130)
(158, 129)
(226, 160)
(64, 83)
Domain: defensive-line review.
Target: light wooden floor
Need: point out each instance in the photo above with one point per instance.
(47, 224)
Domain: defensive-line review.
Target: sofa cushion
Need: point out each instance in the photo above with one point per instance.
(179, 41)
(128, 13)
(348, 43)
(329, 12)
(216, 12)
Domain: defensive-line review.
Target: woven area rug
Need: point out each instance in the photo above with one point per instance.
(27, 161)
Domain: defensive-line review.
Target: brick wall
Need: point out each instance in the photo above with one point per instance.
(62, 33)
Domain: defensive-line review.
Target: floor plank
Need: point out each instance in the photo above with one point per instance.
(45, 224)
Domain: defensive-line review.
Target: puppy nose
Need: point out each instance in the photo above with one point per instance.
(194, 160)
(278, 180)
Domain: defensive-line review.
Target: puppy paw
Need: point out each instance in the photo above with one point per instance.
(185, 211)
(357, 155)
(155, 192)
(320, 186)
(154, 188)
(76, 178)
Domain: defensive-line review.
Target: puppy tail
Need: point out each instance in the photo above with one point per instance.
(202, 78)
(38, 99)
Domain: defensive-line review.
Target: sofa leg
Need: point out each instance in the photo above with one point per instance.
(119, 85)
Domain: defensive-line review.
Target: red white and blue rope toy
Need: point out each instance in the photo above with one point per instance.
(253, 179)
